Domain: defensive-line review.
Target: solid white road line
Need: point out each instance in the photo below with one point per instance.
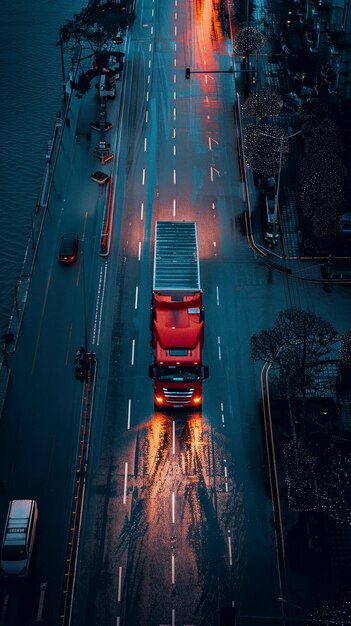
(129, 410)
(125, 482)
(230, 548)
(102, 304)
(133, 350)
(119, 584)
(136, 297)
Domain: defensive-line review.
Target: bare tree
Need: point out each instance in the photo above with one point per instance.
(301, 345)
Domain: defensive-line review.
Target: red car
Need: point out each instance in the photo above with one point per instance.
(69, 248)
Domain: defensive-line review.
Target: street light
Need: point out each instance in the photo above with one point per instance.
(283, 137)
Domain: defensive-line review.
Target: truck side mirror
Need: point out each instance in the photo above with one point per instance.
(151, 371)
(205, 372)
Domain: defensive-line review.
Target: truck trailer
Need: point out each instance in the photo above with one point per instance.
(177, 317)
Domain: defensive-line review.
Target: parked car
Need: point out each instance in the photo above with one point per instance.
(69, 248)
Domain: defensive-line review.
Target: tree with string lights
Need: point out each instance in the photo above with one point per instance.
(334, 484)
(345, 360)
(263, 146)
(262, 103)
(301, 476)
(249, 40)
(333, 612)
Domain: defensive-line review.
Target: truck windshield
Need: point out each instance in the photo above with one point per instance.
(178, 374)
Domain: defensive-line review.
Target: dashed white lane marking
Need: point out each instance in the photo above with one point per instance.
(139, 251)
(217, 295)
(219, 349)
(147, 96)
(173, 570)
(174, 78)
(175, 62)
(148, 79)
(142, 211)
(213, 206)
(143, 179)
(174, 208)
(226, 478)
(174, 177)
(174, 113)
(146, 116)
(175, 15)
(43, 587)
(175, 47)
(150, 46)
(145, 144)
(175, 31)
(129, 411)
(152, 12)
(125, 482)
(174, 133)
(173, 617)
(174, 150)
(173, 437)
(173, 508)
(174, 95)
(230, 548)
(118, 621)
(149, 63)
(152, 30)
(136, 297)
(119, 595)
(133, 351)
(214, 244)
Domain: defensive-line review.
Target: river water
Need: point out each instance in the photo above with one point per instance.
(31, 97)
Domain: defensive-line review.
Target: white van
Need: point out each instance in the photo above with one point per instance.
(18, 540)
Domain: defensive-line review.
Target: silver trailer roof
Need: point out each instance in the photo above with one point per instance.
(176, 257)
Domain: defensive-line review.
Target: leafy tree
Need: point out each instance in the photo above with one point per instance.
(96, 25)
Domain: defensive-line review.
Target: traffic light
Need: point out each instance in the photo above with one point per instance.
(187, 72)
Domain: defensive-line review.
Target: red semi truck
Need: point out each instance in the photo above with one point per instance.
(177, 317)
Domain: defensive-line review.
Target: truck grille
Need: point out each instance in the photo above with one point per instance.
(178, 396)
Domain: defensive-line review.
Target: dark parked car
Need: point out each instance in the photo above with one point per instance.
(69, 248)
